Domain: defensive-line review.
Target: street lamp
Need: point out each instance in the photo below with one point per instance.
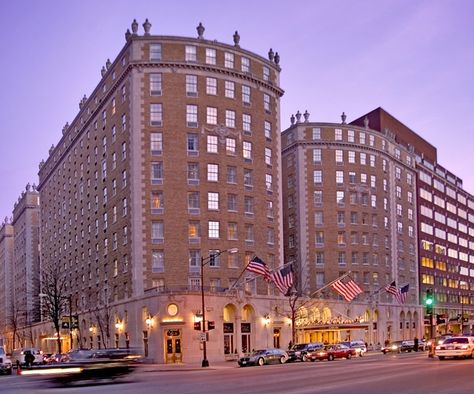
(205, 261)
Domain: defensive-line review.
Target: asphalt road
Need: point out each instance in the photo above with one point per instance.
(376, 374)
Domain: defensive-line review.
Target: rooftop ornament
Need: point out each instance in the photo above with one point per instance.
(292, 119)
(298, 117)
(127, 35)
(343, 118)
(277, 58)
(146, 26)
(366, 122)
(236, 38)
(271, 55)
(200, 30)
(107, 64)
(306, 116)
(134, 27)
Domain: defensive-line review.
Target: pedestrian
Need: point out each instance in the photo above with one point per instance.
(29, 358)
(415, 344)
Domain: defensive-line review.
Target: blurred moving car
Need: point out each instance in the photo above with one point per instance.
(456, 347)
(19, 355)
(85, 365)
(5, 362)
(264, 356)
(358, 346)
(300, 351)
(331, 352)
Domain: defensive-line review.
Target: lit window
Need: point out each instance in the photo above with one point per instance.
(213, 201)
(212, 144)
(338, 134)
(213, 172)
(247, 150)
(211, 117)
(213, 229)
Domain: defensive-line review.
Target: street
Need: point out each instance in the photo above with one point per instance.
(373, 374)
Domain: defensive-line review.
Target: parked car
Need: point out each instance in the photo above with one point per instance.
(264, 356)
(5, 362)
(456, 347)
(301, 350)
(358, 346)
(398, 347)
(18, 355)
(331, 352)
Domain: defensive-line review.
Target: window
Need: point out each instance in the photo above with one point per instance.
(351, 157)
(248, 205)
(210, 56)
(213, 229)
(155, 51)
(340, 197)
(266, 73)
(372, 160)
(249, 233)
(193, 202)
(156, 114)
(248, 178)
(247, 124)
(266, 103)
(213, 172)
(352, 177)
(195, 262)
(363, 158)
(316, 156)
(317, 176)
(246, 94)
(319, 238)
(268, 130)
(213, 201)
(247, 150)
(124, 122)
(339, 156)
(157, 202)
(124, 207)
(228, 60)
(269, 182)
(320, 263)
(156, 88)
(190, 53)
(230, 118)
(232, 231)
(231, 174)
(362, 138)
(157, 261)
(245, 64)
(211, 115)
(268, 156)
(229, 89)
(192, 143)
(193, 173)
(338, 134)
(211, 86)
(124, 178)
(232, 202)
(191, 115)
(157, 173)
(157, 232)
(270, 236)
(339, 177)
(124, 151)
(230, 146)
(318, 218)
(156, 143)
(191, 85)
(270, 209)
(350, 135)
(212, 146)
(316, 133)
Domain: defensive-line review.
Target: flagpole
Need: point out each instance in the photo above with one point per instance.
(235, 283)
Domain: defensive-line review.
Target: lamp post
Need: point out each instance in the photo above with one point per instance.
(205, 261)
(70, 319)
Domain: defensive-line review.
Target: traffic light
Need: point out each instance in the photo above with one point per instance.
(429, 301)
(211, 325)
(197, 326)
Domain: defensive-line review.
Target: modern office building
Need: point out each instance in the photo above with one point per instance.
(445, 231)
(171, 164)
(349, 196)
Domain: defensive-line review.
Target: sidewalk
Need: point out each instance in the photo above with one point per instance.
(196, 366)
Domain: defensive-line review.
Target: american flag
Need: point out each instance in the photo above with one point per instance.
(348, 290)
(399, 293)
(259, 267)
(283, 278)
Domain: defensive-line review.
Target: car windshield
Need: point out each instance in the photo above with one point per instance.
(456, 340)
(299, 346)
(262, 351)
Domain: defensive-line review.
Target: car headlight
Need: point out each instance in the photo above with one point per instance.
(394, 347)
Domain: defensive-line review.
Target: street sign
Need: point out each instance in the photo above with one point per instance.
(202, 337)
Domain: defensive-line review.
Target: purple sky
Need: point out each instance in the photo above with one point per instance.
(413, 58)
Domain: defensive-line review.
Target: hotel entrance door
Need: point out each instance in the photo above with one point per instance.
(172, 346)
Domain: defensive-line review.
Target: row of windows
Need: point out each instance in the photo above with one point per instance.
(156, 117)
(210, 57)
(213, 231)
(357, 238)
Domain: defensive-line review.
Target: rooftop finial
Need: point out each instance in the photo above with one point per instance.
(107, 64)
(292, 119)
(298, 116)
(134, 27)
(366, 122)
(306, 116)
(277, 58)
(236, 38)
(146, 26)
(200, 30)
(343, 118)
(127, 35)
(271, 55)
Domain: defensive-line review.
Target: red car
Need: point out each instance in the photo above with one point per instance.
(331, 352)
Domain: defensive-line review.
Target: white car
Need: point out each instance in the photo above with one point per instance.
(19, 355)
(456, 347)
(5, 362)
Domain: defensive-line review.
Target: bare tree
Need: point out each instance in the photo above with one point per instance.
(55, 298)
(103, 315)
